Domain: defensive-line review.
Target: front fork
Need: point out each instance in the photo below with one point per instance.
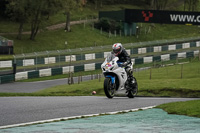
(112, 78)
(112, 81)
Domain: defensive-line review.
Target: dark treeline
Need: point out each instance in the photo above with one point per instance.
(3, 4)
(189, 5)
(35, 12)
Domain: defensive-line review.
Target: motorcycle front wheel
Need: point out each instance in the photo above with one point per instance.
(133, 92)
(109, 88)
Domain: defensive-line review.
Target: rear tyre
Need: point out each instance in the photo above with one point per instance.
(133, 91)
(109, 89)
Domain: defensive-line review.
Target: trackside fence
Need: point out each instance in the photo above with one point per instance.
(60, 58)
(48, 63)
(94, 66)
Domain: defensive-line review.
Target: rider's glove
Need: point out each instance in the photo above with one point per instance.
(124, 64)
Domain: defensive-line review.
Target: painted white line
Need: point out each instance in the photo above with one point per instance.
(74, 117)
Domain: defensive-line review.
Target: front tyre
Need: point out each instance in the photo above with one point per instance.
(109, 88)
(133, 91)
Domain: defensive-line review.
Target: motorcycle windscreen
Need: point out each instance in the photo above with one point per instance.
(110, 57)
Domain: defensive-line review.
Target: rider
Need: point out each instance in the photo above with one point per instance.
(123, 56)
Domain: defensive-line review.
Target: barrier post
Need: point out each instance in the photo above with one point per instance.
(150, 74)
(91, 76)
(199, 54)
(181, 71)
(14, 68)
(69, 80)
(36, 61)
(48, 57)
(71, 76)
(24, 64)
(99, 77)
(14, 65)
(79, 79)
(58, 57)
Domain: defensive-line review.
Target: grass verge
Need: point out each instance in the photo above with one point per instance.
(189, 108)
(170, 87)
(160, 84)
(83, 89)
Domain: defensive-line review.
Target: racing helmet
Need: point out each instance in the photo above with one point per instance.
(117, 48)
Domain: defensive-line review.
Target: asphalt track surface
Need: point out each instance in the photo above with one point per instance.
(146, 121)
(16, 110)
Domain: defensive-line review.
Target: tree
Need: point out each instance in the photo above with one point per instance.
(149, 2)
(17, 10)
(108, 25)
(53, 6)
(159, 4)
(33, 11)
(191, 5)
(3, 4)
(40, 11)
(68, 6)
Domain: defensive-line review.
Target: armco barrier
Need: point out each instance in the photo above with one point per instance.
(50, 60)
(90, 67)
(7, 78)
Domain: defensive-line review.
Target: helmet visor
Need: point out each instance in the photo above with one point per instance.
(116, 51)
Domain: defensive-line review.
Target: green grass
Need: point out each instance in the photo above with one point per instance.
(6, 57)
(87, 37)
(165, 81)
(55, 40)
(170, 87)
(189, 108)
(82, 89)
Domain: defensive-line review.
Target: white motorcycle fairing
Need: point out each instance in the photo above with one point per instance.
(111, 68)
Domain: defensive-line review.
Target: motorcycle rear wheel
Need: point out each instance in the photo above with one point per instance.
(133, 92)
(108, 88)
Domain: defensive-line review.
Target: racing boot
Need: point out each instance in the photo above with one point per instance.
(131, 80)
(130, 83)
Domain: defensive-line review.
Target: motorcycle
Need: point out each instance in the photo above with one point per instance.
(116, 79)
